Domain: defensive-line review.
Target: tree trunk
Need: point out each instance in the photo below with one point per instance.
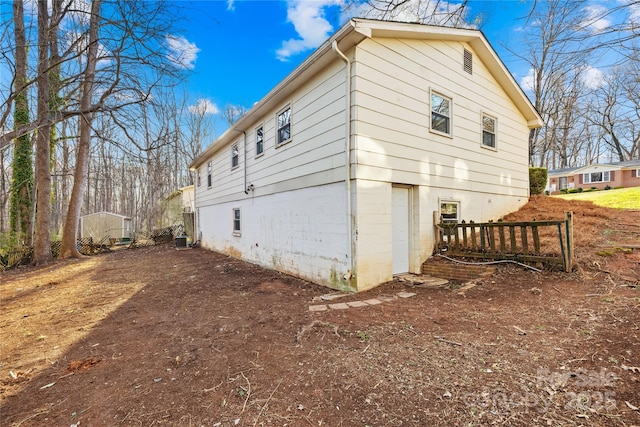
(42, 242)
(21, 207)
(68, 248)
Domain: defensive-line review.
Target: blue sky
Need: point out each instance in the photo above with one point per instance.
(240, 49)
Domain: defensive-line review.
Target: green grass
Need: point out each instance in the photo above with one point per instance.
(622, 198)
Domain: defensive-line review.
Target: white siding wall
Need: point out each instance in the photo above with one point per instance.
(301, 232)
(294, 219)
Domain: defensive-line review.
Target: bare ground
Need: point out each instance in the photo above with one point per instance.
(158, 336)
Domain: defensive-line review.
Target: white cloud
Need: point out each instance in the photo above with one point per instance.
(593, 78)
(181, 52)
(204, 106)
(528, 81)
(231, 5)
(309, 22)
(596, 21)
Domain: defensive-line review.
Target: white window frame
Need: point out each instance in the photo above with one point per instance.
(280, 142)
(236, 224)
(457, 219)
(606, 177)
(199, 176)
(260, 141)
(209, 171)
(449, 117)
(235, 156)
(637, 173)
(494, 133)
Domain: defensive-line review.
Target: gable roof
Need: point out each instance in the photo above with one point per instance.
(627, 164)
(348, 36)
(105, 213)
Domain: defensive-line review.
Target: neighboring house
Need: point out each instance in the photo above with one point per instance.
(176, 204)
(597, 175)
(335, 175)
(100, 225)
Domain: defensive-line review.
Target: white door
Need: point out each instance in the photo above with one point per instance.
(400, 229)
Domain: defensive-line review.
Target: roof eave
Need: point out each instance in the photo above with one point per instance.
(346, 38)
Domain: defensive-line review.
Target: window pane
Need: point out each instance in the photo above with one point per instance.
(439, 123)
(284, 133)
(488, 124)
(234, 156)
(259, 140)
(236, 220)
(439, 105)
(284, 126)
(488, 139)
(284, 117)
(449, 212)
(440, 113)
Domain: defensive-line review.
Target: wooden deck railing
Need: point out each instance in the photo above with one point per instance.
(547, 242)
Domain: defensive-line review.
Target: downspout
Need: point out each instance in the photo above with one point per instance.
(350, 219)
(244, 144)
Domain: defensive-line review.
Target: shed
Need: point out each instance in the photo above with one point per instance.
(105, 224)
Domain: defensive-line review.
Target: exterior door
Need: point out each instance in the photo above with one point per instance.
(400, 229)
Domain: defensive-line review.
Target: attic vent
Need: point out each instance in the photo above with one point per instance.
(468, 61)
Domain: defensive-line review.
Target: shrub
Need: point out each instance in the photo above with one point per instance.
(546, 192)
(580, 190)
(537, 180)
(564, 191)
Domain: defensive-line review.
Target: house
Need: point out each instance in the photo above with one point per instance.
(176, 204)
(336, 175)
(101, 225)
(596, 175)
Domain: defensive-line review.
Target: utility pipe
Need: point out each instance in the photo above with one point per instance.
(244, 144)
(350, 220)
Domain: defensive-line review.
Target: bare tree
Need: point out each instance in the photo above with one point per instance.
(435, 12)
(553, 32)
(616, 111)
(231, 113)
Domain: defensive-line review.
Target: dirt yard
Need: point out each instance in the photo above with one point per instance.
(158, 336)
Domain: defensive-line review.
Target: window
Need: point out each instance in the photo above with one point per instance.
(209, 174)
(637, 175)
(562, 182)
(284, 126)
(236, 221)
(488, 131)
(259, 141)
(198, 177)
(467, 61)
(440, 114)
(449, 211)
(235, 156)
(593, 177)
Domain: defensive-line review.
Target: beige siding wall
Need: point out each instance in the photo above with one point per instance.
(392, 93)
(394, 145)
(315, 155)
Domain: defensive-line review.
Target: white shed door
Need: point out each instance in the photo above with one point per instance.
(400, 229)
